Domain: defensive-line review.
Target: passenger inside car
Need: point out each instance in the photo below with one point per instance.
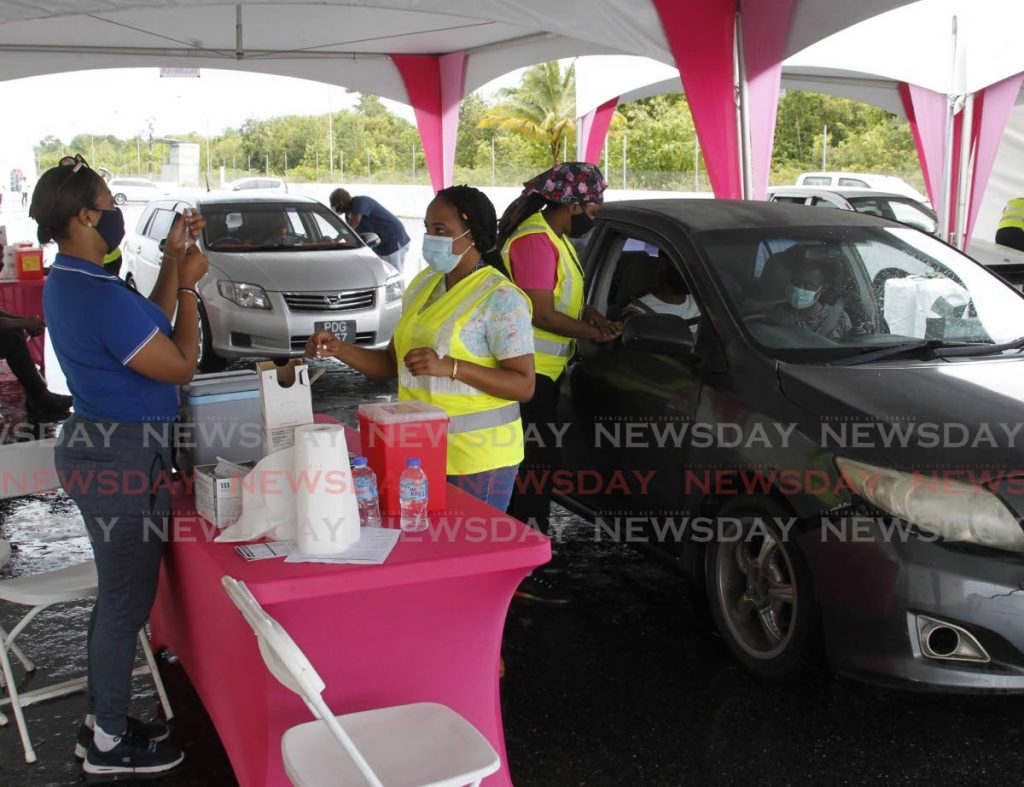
(809, 274)
(669, 296)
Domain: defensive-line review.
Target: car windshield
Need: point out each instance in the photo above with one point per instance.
(828, 293)
(274, 226)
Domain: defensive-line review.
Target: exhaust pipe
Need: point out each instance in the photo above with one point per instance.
(948, 642)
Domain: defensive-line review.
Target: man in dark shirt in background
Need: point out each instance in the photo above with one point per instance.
(365, 214)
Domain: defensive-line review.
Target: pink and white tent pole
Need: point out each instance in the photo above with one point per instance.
(702, 38)
(926, 112)
(435, 85)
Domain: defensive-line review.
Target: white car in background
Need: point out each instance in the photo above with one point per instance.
(861, 180)
(1001, 260)
(258, 184)
(134, 190)
(281, 268)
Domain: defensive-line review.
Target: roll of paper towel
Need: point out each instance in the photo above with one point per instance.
(326, 513)
(303, 494)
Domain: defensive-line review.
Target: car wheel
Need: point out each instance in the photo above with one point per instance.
(209, 361)
(129, 280)
(120, 199)
(759, 591)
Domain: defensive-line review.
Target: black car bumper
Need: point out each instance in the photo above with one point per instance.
(872, 586)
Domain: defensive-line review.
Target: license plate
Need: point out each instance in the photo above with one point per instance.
(343, 329)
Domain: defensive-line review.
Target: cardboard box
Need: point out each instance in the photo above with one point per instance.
(218, 500)
(286, 401)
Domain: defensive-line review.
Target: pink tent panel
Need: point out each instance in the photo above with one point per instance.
(991, 117)
(435, 86)
(594, 130)
(701, 38)
(766, 27)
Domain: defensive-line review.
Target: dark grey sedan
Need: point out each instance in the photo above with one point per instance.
(818, 415)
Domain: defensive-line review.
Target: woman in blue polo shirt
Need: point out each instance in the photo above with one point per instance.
(123, 359)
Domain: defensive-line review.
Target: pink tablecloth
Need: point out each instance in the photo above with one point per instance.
(25, 299)
(425, 626)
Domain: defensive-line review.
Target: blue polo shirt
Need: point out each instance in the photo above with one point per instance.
(378, 219)
(97, 325)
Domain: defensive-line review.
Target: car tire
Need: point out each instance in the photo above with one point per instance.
(760, 592)
(209, 361)
(129, 281)
(120, 199)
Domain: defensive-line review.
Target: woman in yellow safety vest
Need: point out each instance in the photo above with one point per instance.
(464, 343)
(533, 235)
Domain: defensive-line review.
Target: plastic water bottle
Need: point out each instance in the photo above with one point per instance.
(412, 494)
(365, 482)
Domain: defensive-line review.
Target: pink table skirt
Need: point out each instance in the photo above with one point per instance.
(25, 299)
(425, 626)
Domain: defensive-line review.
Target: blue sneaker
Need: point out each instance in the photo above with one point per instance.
(133, 757)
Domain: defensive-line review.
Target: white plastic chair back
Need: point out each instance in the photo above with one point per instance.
(289, 665)
(27, 468)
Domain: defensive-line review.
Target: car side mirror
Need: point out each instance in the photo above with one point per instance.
(371, 239)
(664, 334)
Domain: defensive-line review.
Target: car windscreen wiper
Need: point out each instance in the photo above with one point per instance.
(984, 349)
(906, 348)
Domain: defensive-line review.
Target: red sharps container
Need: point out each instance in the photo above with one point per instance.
(393, 433)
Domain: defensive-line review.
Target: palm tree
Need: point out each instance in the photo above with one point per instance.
(542, 108)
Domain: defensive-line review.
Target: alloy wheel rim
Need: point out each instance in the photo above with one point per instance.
(756, 588)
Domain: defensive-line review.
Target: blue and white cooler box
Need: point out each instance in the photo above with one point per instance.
(220, 417)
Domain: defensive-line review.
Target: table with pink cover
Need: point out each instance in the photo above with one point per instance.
(25, 299)
(425, 626)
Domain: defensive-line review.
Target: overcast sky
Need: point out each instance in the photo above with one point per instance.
(118, 101)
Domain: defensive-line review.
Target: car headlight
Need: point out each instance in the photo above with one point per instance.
(952, 510)
(248, 296)
(393, 289)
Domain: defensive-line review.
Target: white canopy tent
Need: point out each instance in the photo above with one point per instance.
(428, 53)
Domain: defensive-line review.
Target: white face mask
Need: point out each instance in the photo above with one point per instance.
(801, 298)
(437, 251)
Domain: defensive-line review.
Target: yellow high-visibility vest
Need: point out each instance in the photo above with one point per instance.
(1013, 215)
(552, 352)
(484, 431)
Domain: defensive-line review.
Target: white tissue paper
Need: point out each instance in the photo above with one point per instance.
(304, 494)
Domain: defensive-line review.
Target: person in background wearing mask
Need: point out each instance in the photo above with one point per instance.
(534, 236)
(365, 214)
(464, 343)
(805, 309)
(123, 361)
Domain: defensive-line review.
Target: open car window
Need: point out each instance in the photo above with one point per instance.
(829, 292)
(274, 226)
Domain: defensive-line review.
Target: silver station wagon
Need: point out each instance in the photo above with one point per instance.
(281, 268)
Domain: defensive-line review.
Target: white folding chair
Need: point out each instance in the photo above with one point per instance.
(418, 745)
(27, 468)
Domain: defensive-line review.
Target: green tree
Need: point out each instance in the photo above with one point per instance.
(542, 108)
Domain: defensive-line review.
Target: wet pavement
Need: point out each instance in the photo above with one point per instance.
(627, 685)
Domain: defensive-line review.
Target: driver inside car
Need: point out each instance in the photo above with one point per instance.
(803, 306)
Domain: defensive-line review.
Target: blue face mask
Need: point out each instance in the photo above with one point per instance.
(801, 298)
(437, 251)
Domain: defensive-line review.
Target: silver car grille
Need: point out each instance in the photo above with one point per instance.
(348, 300)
